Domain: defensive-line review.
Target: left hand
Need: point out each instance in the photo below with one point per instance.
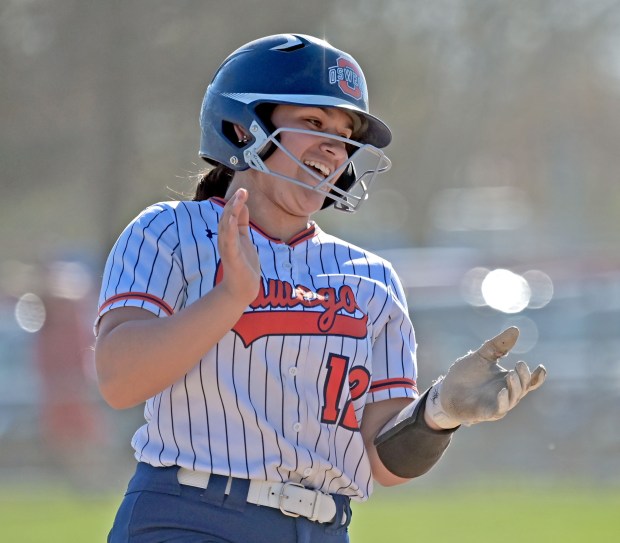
(477, 389)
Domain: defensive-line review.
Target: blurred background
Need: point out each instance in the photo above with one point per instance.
(502, 207)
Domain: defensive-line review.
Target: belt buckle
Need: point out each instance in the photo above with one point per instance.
(283, 496)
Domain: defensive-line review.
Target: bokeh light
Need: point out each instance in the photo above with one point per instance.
(506, 291)
(471, 286)
(528, 334)
(30, 312)
(541, 286)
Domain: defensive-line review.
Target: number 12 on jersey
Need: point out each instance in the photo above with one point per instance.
(358, 383)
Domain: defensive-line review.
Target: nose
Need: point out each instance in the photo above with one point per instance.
(335, 148)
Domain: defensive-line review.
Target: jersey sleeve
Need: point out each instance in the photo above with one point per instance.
(394, 365)
(144, 268)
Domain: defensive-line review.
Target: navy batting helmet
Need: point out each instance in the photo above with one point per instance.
(292, 69)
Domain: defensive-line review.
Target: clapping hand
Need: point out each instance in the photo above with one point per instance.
(477, 389)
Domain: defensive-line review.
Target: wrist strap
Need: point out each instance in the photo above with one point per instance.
(435, 409)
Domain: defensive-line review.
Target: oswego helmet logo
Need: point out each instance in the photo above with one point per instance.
(348, 77)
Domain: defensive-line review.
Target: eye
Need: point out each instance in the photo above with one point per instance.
(316, 123)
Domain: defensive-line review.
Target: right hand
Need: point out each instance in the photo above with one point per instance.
(239, 256)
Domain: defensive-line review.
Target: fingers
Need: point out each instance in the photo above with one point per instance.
(233, 231)
(530, 381)
(503, 404)
(538, 377)
(521, 381)
(525, 377)
(234, 220)
(499, 346)
(516, 390)
(236, 208)
(239, 257)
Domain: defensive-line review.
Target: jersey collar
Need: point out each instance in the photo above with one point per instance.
(302, 236)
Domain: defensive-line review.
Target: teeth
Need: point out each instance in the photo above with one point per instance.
(317, 165)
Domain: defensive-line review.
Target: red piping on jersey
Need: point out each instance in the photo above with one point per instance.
(399, 382)
(145, 297)
(253, 326)
(299, 238)
(303, 236)
(219, 201)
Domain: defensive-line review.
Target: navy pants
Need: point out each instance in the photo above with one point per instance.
(156, 508)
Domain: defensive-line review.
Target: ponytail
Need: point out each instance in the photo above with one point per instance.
(213, 182)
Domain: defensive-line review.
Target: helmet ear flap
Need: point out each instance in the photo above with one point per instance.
(263, 115)
(345, 182)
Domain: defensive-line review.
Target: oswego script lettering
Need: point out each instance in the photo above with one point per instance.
(269, 315)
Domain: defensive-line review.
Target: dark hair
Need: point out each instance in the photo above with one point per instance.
(213, 182)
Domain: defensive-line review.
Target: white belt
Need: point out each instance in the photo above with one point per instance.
(292, 499)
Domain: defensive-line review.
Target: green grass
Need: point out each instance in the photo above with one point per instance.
(513, 515)
(518, 514)
(39, 516)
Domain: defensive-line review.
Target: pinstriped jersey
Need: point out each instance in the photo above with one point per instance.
(281, 396)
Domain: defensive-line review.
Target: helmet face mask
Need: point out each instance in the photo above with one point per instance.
(346, 187)
(294, 70)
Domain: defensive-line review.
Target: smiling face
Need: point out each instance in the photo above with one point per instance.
(320, 154)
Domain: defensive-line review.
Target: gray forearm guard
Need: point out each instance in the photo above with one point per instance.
(411, 448)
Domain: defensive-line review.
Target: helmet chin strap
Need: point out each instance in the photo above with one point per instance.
(366, 163)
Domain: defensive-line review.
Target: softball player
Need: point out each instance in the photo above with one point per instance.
(276, 362)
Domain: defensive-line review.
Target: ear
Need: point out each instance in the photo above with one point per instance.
(241, 134)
